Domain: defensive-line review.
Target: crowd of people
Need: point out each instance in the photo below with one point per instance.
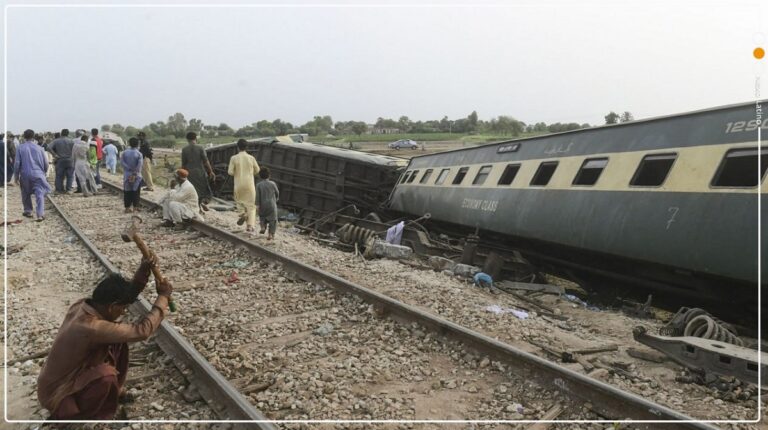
(76, 165)
(85, 372)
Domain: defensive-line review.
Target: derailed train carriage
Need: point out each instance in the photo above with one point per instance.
(313, 178)
(668, 203)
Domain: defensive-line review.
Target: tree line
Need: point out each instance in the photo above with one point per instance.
(166, 132)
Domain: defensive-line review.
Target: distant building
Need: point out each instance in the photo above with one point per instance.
(383, 130)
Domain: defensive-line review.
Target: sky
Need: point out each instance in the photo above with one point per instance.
(552, 61)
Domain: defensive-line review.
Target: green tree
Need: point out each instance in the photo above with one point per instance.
(472, 121)
(612, 118)
(130, 131)
(195, 125)
(225, 130)
(404, 124)
(359, 127)
(626, 117)
(117, 128)
(105, 127)
(280, 127)
(507, 125)
(177, 124)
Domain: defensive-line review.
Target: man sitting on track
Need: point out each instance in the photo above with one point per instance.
(180, 203)
(88, 362)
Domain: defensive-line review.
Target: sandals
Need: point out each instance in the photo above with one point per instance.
(28, 215)
(241, 220)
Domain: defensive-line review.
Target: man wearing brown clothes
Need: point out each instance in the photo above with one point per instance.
(88, 362)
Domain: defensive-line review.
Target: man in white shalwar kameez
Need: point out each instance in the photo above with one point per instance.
(181, 203)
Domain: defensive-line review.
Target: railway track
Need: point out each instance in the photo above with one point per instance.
(47, 274)
(285, 324)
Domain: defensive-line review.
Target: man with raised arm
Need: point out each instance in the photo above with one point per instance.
(86, 368)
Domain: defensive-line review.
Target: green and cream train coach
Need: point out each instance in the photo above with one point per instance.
(670, 203)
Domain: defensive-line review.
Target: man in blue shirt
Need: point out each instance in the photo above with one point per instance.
(30, 166)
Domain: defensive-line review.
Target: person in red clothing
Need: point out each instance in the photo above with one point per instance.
(87, 365)
(99, 153)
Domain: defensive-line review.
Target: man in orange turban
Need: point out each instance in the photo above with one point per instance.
(180, 204)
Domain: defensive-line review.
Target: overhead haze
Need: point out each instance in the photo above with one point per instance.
(556, 62)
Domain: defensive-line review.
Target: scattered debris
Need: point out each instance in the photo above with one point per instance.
(483, 280)
(574, 299)
(527, 286)
(646, 354)
(707, 356)
(232, 278)
(700, 323)
(441, 263)
(639, 310)
(498, 310)
(395, 233)
(324, 329)
(465, 270)
(382, 249)
(16, 221)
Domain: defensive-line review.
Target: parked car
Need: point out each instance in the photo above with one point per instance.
(404, 143)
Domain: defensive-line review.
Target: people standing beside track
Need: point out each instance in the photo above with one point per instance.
(131, 160)
(10, 156)
(61, 149)
(194, 161)
(30, 167)
(146, 150)
(85, 181)
(110, 154)
(3, 162)
(267, 196)
(99, 153)
(180, 204)
(243, 167)
(87, 365)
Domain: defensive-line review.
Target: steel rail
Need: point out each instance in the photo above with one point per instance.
(604, 399)
(226, 401)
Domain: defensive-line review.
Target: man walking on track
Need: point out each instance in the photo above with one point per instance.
(194, 161)
(30, 166)
(87, 365)
(131, 160)
(243, 167)
(146, 152)
(99, 152)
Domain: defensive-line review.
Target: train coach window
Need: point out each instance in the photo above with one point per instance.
(509, 174)
(544, 173)
(441, 177)
(653, 170)
(590, 171)
(426, 176)
(413, 176)
(739, 168)
(482, 175)
(405, 177)
(460, 175)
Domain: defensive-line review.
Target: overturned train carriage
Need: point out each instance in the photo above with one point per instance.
(314, 178)
(668, 203)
